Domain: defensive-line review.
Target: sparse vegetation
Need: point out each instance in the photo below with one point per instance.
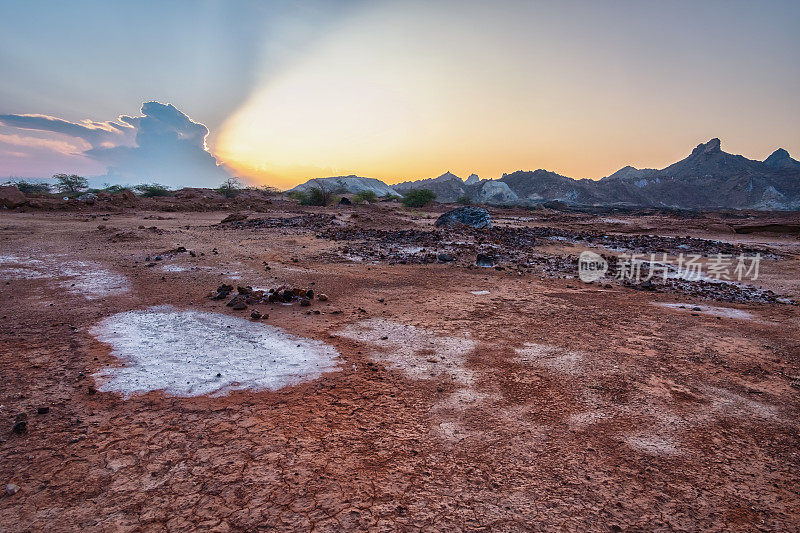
(418, 198)
(230, 188)
(365, 196)
(300, 196)
(463, 200)
(150, 190)
(266, 190)
(70, 183)
(31, 187)
(317, 196)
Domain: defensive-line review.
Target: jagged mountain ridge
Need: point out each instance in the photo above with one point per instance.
(707, 178)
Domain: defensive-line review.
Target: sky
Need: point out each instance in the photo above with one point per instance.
(188, 93)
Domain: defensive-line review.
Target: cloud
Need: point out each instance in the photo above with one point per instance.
(162, 145)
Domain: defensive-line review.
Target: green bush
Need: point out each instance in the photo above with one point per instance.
(150, 190)
(317, 196)
(300, 196)
(418, 198)
(463, 200)
(30, 187)
(365, 196)
(70, 183)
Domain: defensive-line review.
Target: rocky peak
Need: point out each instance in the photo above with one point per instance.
(472, 179)
(711, 147)
(447, 176)
(780, 158)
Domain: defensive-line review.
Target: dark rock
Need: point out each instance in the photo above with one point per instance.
(20, 427)
(43, 410)
(484, 260)
(305, 302)
(255, 315)
(476, 217)
(322, 297)
(345, 201)
(445, 258)
(238, 303)
(222, 292)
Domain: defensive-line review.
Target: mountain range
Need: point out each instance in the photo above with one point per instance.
(708, 178)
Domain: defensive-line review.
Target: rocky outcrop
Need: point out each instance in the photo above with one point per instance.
(348, 184)
(495, 192)
(11, 197)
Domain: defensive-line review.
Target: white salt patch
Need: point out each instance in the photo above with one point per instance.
(726, 312)
(551, 357)
(479, 293)
(191, 353)
(418, 353)
(91, 280)
(173, 268)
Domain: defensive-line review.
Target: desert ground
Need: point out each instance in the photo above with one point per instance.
(423, 392)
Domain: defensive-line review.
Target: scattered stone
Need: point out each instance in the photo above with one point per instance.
(19, 427)
(222, 292)
(445, 258)
(322, 297)
(43, 410)
(305, 302)
(11, 489)
(255, 315)
(88, 198)
(476, 217)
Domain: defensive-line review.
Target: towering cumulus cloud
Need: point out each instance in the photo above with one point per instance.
(162, 145)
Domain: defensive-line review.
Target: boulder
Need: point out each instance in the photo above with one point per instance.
(11, 197)
(476, 217)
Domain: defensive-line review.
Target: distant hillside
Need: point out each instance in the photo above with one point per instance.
(708, 178)
(349, 184)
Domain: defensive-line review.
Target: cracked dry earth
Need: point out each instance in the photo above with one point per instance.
(542, 404)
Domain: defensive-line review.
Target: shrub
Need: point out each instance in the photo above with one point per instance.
(70, 183)
(365, 196)
(463, 200)
(300, 196)
(150, 190)
(418, 198)
(30, 187)
(317, 196)
(230, 188)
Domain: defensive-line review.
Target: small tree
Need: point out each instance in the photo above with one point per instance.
(300, 196)
(150, 190)
(30, 187)
(230, 188)
(70, 183)
(464, 200)
(418, 197)
(365, 196)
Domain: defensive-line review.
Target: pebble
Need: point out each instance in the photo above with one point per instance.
(12, 489)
